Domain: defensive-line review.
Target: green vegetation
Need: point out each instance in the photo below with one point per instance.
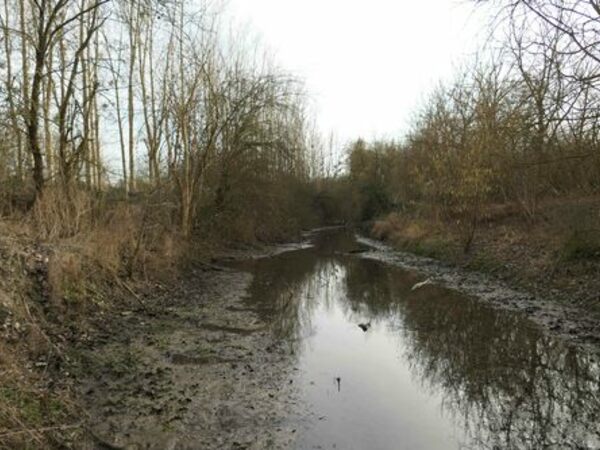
(581, 245)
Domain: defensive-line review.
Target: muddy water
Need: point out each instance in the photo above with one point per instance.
(434, 370)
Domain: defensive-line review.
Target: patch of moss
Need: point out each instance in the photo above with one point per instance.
(118, 360)
(484, 263)
(4, 313)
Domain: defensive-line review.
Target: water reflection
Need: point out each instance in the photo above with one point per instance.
(476, 377)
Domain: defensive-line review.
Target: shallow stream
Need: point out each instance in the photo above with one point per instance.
(433, 370)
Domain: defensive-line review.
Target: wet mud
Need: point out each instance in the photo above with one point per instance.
(202, 373)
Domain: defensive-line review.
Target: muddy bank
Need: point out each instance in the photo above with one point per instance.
(269, 354)
(222, 360)
(196, 369)
(550, 309)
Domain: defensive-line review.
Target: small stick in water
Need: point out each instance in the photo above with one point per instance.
(421, 284)
(364, 326)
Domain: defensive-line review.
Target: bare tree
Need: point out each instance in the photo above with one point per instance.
(10, 88)
(50, 19)
(114, 57)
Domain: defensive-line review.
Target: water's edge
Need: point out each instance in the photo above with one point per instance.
(553, 314)
(325, 343)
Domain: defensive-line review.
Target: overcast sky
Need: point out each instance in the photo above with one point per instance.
(367, 63)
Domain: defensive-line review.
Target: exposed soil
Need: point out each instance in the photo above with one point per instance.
(202, 371)
(556, 254)
(198, 368)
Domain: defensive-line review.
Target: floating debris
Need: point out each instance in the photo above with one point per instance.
(421, 284)
(364, 326)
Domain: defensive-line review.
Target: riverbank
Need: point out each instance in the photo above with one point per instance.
(547, 268)
(95, 359)
(260, 347)
(229, 365)
(197, 370)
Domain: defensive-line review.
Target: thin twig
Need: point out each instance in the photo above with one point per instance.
(132, 292)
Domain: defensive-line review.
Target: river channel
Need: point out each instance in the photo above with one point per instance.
(430, 368)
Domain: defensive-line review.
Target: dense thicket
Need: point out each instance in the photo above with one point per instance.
(147, 102)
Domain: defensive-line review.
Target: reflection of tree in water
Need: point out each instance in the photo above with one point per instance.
(289, 289)
(510, 385)
(373, 289)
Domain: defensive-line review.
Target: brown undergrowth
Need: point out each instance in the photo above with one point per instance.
(559, 250)
(36, 409)
(68, 265)
(62, 264)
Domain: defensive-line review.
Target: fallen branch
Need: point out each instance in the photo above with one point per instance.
(133, 293)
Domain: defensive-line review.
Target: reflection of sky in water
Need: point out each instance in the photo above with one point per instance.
(435, 371)
(377, 404)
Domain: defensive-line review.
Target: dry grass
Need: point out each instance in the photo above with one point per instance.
(389, 227)
(397, 228)
(30, 412)
(68, 258)
(59, 262)
(60, 213)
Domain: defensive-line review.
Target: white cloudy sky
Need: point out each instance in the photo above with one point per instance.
(366, 62)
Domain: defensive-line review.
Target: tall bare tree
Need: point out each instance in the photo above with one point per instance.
(50, 19)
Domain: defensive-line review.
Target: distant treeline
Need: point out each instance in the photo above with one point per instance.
(517, 126)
